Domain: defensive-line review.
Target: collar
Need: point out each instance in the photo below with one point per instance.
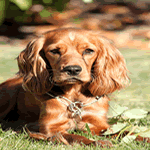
(75, 107)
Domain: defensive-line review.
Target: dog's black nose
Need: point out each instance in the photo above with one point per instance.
(72, 70)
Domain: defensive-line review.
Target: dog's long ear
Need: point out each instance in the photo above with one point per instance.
(109, 69)
(33, 67)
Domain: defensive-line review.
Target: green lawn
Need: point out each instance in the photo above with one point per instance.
(136, 95)
(8, 65)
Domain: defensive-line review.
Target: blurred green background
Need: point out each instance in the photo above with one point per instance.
(19, 10)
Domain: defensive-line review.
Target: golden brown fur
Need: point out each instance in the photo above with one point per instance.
(74, 63)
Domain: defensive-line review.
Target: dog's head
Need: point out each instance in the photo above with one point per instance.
(70, 56)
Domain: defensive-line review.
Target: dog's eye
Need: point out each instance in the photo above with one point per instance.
(55, 51)
(88, 51)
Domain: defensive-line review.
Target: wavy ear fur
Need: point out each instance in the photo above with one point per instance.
(33, 68)
(109, 70)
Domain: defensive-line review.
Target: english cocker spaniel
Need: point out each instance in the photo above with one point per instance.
(62, 84)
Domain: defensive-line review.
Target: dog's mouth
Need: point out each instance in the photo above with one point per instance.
(69, 81)
(72, 80)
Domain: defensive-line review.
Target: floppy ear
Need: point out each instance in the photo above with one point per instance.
(33, 68)
(109, 70)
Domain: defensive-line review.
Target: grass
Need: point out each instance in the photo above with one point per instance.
(137, 94)
(134, 96)
(8, 65)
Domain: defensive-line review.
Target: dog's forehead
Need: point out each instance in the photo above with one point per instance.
(72, 37)
(77, 38)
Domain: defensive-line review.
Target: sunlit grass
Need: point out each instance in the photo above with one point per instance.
(138, 93)
(8, 63)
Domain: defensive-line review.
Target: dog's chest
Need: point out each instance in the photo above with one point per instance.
(86, 117)
(79, 114)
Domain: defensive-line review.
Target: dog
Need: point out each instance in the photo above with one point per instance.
(63, 81)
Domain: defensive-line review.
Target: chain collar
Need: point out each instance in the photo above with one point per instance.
(75, 107)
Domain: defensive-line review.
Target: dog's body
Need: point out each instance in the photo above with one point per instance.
(60, 76)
